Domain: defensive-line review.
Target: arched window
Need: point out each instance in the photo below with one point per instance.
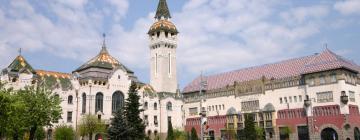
(155, 106)
(146, 105)
(83, 103)
(117, 101)
(99, 102)
(70, 99)
(169, 106)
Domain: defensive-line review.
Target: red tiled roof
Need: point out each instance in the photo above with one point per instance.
(326, 60)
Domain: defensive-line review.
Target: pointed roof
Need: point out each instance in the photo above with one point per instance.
(162, 10)
(103, 60)
(326, 60)
(20, 65)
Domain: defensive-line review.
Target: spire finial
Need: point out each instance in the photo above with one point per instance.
(162, 10)
(103, 48)
(104, 36)
(19, 51)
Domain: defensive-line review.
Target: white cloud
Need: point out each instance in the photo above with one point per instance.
(302, 14)
(348, 7)
(215, 35)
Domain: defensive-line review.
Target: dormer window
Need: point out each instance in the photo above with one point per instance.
(311, 81)
(333, 78)
(322, 79)
(119, 76)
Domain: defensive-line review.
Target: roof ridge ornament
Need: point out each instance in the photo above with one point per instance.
(162, 10)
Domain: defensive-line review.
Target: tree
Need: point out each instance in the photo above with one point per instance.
(118, 127)
(64, 132)
(132, 114)
(40, 133)
(180, 135)
(249, 130)
(170, 132)
(193, 135)
(90, 125)
(42, 108)
(260, 133)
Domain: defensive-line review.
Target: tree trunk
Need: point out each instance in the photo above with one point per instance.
(32, 132)
(90, 136)
(15, 136)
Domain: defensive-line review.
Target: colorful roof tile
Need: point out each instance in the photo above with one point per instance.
(103, 60)
(54, 80)
(19, 65)
(163, 25)
(324, 61)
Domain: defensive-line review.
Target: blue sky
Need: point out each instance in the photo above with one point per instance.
(215, 35)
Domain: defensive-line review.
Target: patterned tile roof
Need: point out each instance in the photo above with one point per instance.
(326, 60)
(43, 73)
(164, 25)
(103, 60)
(52, 80)
(20, 64)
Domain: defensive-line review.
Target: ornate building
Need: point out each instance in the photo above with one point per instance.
(312, 97)
(100, 86)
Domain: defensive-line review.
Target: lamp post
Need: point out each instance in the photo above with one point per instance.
(202, 113)
(76, 85)
(90, 85)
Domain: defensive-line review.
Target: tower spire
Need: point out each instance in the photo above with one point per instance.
(103, 48)
(162, 10)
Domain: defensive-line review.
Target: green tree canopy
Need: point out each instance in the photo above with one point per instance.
(26, 110)
(90, 125)
(63, 132)
(249, 130)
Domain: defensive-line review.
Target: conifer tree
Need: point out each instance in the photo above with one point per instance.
(193, 135)
(136, 129)
(170, 132)
(118, 127)
(249, 130)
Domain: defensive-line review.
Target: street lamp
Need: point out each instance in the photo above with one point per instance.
(76, 85)
(90, 85)
(202, 113)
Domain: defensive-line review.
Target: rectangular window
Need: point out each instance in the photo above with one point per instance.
(146, 118)
(295, 99)
(300, 98)
(352, 96)
(155, 120)
(285, 99)
(156, 64)
(169, 55)
(69, 116)
(311, 81)
(322, 79)
(193, 111)
(169, 118)
(333, 78)
(324, 97)
(290, 99)
(250, 105)
(281, 101)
